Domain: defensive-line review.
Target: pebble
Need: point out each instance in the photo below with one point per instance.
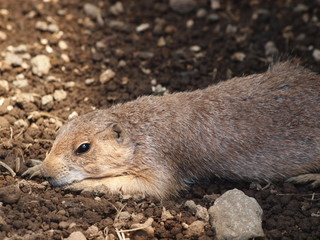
(215, 4)
(64, 225)
(119, 26)
(13, 59)
(53, 28)
(65, 57)
(20, 83)
(316, 54)
(195, 48)
(190, 23)
(166, 214)
(41, 25)
(238, 56)
(93, 12)
(122, 63)
(117, 8)
(201, 13)
(76, 236)
(213, 17)
(106, 76)
(3, 36)
(4, 86)
(270, 49)
(236, 216)
(161, 42)
(182, 6)
(145, 55)
(301, 8)
(5, 106)
(40, 65)
(143, 27)
(46, 99)
(20, 123)
(73, 115)
(10, 194)
(62, 45)
(59, 95)
(124, 216)
(196, 228)
(23, 97)
(89, 81)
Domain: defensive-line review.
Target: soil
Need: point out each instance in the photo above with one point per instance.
(178, 51)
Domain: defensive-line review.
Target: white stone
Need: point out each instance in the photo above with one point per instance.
(65, 57)
(46, 99)
(3, 36)
(73, 115)
(62, 45)
(13, 59)
(106, 76)
(94, 12)
(270, 49)
(195, 48)
(20, 83)
(53, 28)
(161, 42)
(166, 214)
(21, 123)
(117, 8)
(40, 65)
(143, 27)
(42, 26)
(60, 95)
(316, 54)
(236, 216)
(23, 97)
(89, 81)
(215, 4)
(238, 56)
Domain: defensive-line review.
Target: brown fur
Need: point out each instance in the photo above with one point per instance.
(263, 127)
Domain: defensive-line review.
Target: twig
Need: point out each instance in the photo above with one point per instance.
(8, 168)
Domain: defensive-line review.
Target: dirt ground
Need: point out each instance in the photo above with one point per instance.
(150, 49)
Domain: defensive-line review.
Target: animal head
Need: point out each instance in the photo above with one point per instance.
(90, 146)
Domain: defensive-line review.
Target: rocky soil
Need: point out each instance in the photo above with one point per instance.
(62, 58)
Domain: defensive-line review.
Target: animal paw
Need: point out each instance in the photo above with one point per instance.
(88, 185)
(313, 179)
(33, 171)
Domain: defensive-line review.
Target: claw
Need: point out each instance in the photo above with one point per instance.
(33, 171)
(313, 179)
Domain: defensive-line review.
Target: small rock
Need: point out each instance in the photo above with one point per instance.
(190, 23)
(24, 97)
(73, 115)
(145, 55)
(161, 42)
(236, 216)
(46, 99)
(93, 233)
(201, 13)
(316, 54)
(42, 26)
(64, 225)
(238, 56)
(166, 214)
(195, 48)
(119, 26)
(301, 8)
(196, 228)
(215, 4)
(143, 27)
(4, 123)
(10, 194)
(20, 123)
(59, 95)
(40, 65)
(4, 87)
(231, 29)
(65, 57)
(62, 45)
(117, 8)
(106, 76)
(93, 12)
(122, 63)
(13, 59)
(4, 105)
(76, 236)
(270, 49)
(124, 216)
(53, 28)
(3, 36)
(89, 81)
(182, 6)
(20, 83)
(213, 17)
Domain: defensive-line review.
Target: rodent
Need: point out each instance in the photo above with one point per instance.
(262, 127)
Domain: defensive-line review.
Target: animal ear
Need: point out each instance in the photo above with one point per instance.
(118, 132)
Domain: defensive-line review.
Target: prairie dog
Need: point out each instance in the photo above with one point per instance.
(263, 127)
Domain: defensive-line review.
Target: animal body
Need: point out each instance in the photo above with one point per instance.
(263, 127)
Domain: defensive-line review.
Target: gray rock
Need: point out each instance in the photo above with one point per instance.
(199, 211)
(13, 59)
(53, 28)
(213, 17)
(236, 216)
(182, 6)
(93, 12)
(271, 49)
(119, 26)
(117, 8)
(46, 99)
(40, 65)
(4, 86)
(3, 36)
(60, 95)
(215, 4)
(41, 25)
(20, 83)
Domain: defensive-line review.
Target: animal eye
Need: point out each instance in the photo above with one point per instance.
(83, 148)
